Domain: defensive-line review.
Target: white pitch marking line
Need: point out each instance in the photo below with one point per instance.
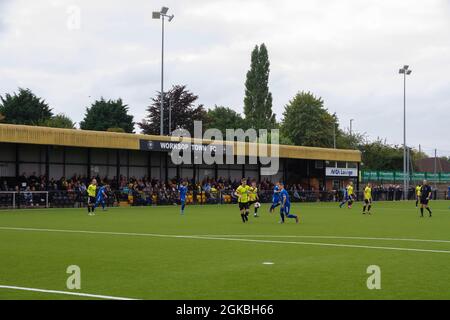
(225, 239)
(78, 294)
(228, 235)
(322, 237)
(268, 263)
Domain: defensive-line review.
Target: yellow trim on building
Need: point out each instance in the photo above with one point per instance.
(110, 140)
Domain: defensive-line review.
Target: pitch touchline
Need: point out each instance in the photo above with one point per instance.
(305, 204)
(321, 237)
(225, 239)
(78, 294)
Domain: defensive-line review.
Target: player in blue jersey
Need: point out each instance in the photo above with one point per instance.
(285, 210)
(182, 189)
(345, 199)
(102, 195)
(275, 197)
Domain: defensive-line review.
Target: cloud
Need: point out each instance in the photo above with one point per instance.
(4, 4)
(347, 51)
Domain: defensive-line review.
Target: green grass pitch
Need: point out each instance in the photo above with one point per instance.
(154, 253)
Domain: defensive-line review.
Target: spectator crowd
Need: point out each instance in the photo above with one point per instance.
(143, 191)
(148, 191)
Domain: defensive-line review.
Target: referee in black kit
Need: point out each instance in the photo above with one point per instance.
(425, 196)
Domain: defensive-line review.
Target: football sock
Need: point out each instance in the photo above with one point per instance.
(429, 211)
(370, 207)
(243, 217)
(421, 212)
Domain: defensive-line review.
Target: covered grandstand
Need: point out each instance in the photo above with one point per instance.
(55, 153)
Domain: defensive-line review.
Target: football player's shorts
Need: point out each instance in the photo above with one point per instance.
(243, 205)
(286, 209)
(91, 200)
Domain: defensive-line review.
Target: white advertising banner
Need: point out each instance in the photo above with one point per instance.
(341, 172)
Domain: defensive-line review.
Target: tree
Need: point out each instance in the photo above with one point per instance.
(345, 140)
(60, 121)
(184, 112)
(378, 155)
(258, 99)
(285, 140)
(104, 115)
(24, 108)
(223, 118)
(417, 155)
(306, 122)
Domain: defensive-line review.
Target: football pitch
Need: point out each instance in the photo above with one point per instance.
(154, 253)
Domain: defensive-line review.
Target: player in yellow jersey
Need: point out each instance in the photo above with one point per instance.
(254, 198)
(418, 194)
(242, 193)
(367, 199)
(92, 193)
(350, 194)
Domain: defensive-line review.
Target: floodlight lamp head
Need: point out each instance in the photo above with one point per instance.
(401, 71)
(408, 72)
(164, 10)
(406, 67)
(156, 15)
(171, 17)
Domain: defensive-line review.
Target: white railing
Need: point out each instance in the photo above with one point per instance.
(24, 199)
(8, 200)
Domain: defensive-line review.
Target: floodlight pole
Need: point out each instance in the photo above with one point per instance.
(405, 178)
(404, 138)
(162, 78)
(405, 71)
(435, 167)
(334, 135)
(162, 15)
(170, 116)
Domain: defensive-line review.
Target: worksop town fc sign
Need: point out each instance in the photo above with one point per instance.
(147, 145)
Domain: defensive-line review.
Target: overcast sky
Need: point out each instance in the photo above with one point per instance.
(346, 51)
